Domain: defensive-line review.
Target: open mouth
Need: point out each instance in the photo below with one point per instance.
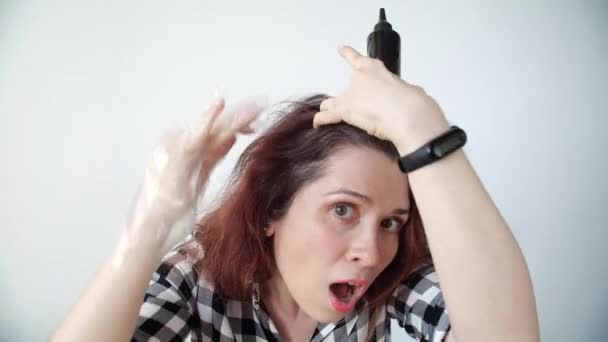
(343, 291)
(345, 295)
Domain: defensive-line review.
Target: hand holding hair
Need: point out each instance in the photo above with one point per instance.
(383, 105)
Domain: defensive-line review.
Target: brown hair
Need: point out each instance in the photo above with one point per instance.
(233, 250)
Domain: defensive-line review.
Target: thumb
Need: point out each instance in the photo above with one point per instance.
(326, 117)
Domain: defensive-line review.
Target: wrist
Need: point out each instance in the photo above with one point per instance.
(413, 138)
(136, 248)
(437, 148)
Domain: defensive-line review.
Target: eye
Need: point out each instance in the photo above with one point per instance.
(393, 224)
(343, 210)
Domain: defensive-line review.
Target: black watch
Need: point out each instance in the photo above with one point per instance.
(436, 149)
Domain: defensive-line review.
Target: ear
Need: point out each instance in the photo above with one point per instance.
(270, 229)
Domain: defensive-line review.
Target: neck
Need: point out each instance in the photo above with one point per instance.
(292, 322)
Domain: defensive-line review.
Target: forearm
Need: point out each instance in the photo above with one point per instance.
(109, 307)
(482, 272)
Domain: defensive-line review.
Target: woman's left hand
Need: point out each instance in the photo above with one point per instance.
(383, 105)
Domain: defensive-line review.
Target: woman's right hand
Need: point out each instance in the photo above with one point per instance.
(163, 213)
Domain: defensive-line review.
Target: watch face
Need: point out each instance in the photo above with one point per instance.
(444, 146)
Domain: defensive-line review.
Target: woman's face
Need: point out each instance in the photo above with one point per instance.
(342, 228)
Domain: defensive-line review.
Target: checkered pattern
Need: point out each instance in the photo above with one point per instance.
(180, 306)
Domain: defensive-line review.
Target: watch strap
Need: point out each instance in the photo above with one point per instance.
(434, 150)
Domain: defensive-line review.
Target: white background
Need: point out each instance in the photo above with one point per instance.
(87, 89)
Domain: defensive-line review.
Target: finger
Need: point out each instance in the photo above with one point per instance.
(247, 130)
(213, 112)
(364, 122)
(329, 104)
(200, 129)
(235, 118)
(326, 118)
(367, 123)
(244, 116)
(352, 56)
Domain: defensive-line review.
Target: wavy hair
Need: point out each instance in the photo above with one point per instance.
(229, 242)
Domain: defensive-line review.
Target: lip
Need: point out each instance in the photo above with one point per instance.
(359, 283)
(341, 306)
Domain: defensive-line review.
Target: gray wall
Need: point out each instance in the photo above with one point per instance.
(86, 90)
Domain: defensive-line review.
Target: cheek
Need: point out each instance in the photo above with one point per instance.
(295, 243)
(332, 244)
(290, 243)
(331, 237)
(389, 243)
(308, 244)
(389, 250)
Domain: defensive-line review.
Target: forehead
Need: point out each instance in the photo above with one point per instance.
(367, 171)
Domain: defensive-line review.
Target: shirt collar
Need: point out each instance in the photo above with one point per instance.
(263, 315)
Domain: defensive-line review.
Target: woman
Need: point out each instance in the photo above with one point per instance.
(320, 235)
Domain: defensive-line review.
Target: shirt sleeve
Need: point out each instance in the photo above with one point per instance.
(418, 306)
(168, 312)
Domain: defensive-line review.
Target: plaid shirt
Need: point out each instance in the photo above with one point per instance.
(180, 306)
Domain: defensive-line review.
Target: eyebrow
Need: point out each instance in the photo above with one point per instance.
(398, 211)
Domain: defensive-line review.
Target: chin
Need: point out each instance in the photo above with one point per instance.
(326, 315)
(333, 319)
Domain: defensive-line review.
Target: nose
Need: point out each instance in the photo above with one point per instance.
(364, 249)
